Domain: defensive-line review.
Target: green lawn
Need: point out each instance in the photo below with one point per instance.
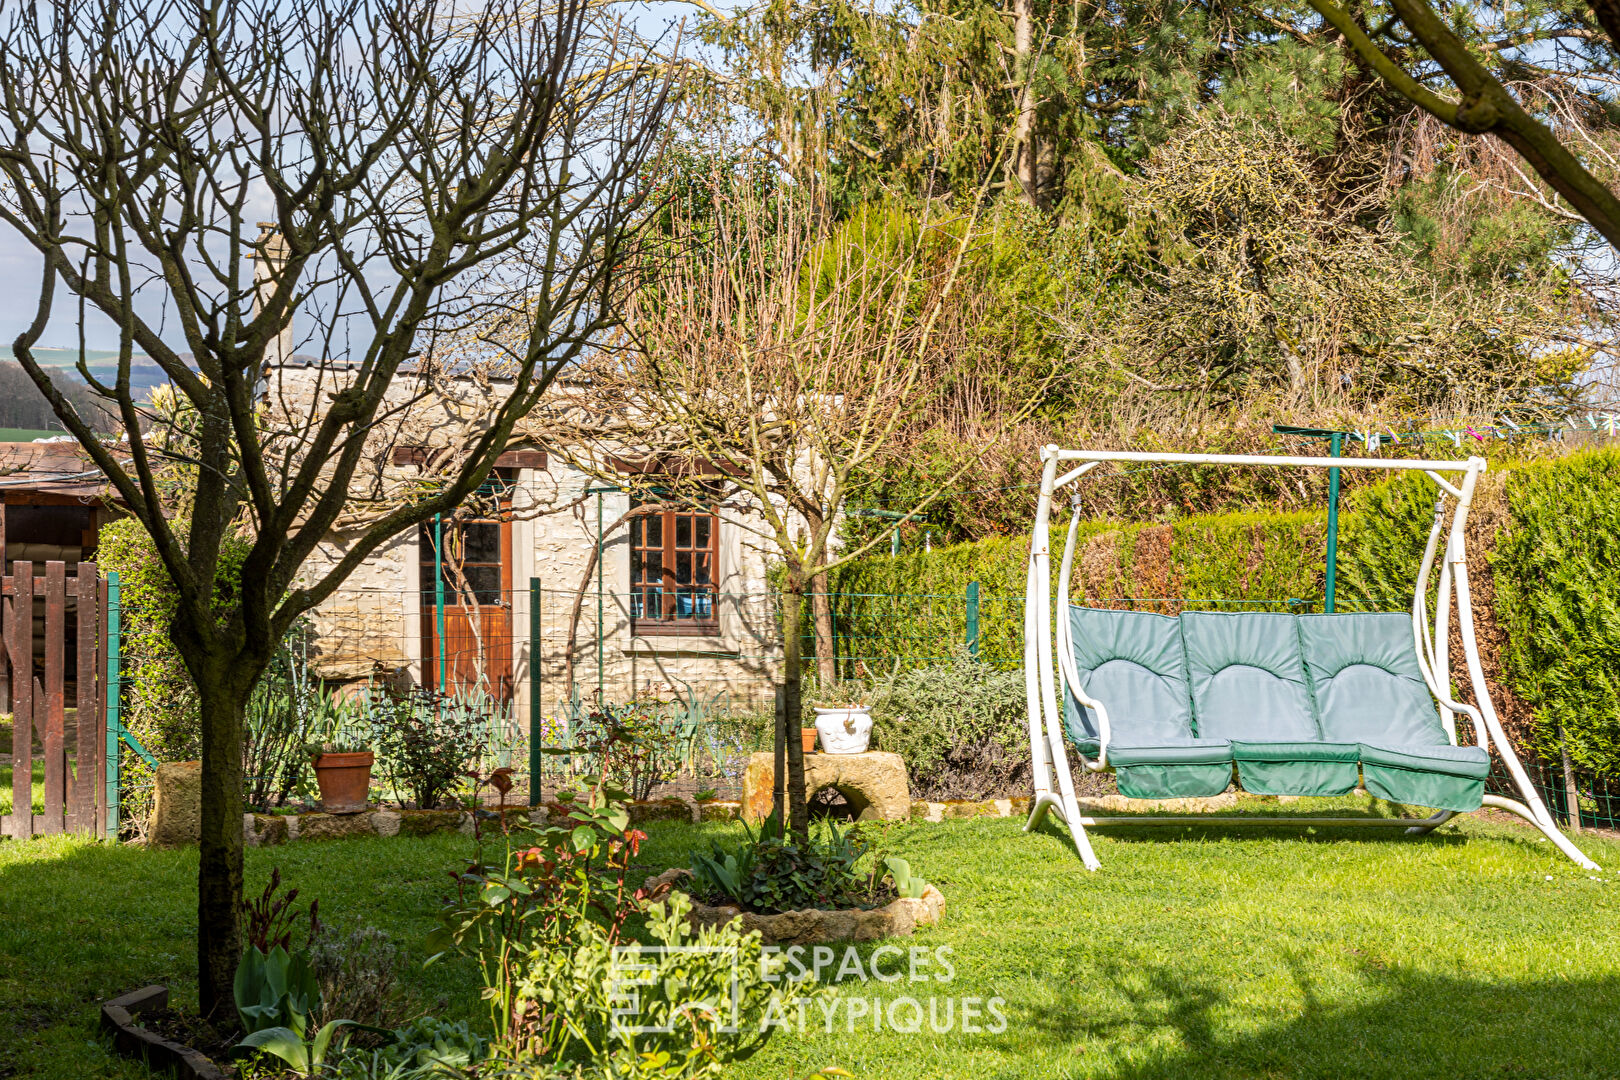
(1199, 952)
(38, 787)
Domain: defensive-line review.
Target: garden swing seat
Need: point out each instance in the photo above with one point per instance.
(1299, 705)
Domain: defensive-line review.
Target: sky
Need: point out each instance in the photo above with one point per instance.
(20, 264)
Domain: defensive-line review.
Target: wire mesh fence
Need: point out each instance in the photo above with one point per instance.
(1596, 797)
(533, 675)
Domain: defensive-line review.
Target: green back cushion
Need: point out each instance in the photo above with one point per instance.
(1247, 677)
(1132, 662)
(1368, 686)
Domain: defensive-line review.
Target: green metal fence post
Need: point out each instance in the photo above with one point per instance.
(973, 619)
(534, 691)
(113, 723)
(1335, 444)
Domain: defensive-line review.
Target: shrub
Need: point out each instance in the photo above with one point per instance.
(425, 741)
(773, 872)
(1556, 571)
(961, 727)
(158, 703)
(571, 1002)
(641, 741)
(358, 973)
(545, 923)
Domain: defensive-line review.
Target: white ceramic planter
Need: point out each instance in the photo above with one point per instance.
(844, 731)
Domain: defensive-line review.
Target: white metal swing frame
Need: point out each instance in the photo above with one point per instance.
(1046, 675)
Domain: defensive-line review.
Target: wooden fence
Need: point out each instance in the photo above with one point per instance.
(35, 669)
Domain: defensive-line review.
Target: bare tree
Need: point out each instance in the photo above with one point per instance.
(1484, 102)
(777, 365)
(422, 164)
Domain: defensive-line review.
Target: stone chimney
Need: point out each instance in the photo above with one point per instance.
(269, 256)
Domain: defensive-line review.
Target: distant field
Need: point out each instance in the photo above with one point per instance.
(16, 434)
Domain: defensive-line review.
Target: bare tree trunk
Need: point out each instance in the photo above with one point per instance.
(792, 634)
(222, 694)
(1024, 149)
(826, 647)
(1572, 792)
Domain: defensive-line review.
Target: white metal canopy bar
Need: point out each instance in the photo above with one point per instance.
(1283, 461)
(1050, 670)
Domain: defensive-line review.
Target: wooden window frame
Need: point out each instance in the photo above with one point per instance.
(669, 623)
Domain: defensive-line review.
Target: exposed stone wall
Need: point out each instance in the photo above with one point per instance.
(377, 616)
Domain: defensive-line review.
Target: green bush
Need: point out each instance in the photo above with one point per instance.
(1556, 570)
(960, 727)
(158, 703)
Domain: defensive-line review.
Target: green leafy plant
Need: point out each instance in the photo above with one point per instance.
(845, 694)
(549, 885)
(426, 741)
(567, 999)
(275, 990)
(426, 1047)
(910, 886)
(706, 794)
(306, 1057)
(282, 715)
(545, 920)
(961, 727)
(769, 871)
(641, 743)
(358, 973)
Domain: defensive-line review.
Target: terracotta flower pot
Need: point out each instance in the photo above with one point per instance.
(344, 780)
(809, 736)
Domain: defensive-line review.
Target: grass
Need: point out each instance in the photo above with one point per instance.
(1196, 952)
(38, 787)
(13, 434)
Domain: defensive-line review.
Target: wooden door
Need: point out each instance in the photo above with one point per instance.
(476, 569)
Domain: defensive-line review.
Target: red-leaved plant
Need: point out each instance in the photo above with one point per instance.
(545, 888)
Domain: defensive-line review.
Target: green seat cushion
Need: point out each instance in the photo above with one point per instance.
(1364, 669)
(1175, 769)
(1444, 777)
(1297, 768)
(1132, 662)
(1247, 677)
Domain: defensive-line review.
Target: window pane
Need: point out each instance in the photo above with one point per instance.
(702, 524)
(683, 568)
(483, 540)
(683, 530)
(655, 531)
(654, 566)
(702, 574)
(635, 532)
(485, 582)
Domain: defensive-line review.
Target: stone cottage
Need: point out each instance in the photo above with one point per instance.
(509, 597)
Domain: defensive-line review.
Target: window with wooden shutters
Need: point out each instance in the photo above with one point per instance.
(674, 567)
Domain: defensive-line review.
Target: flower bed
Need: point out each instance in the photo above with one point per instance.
(898, 918)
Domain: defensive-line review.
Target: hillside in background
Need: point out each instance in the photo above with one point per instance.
(144, 373)
(24, 410)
